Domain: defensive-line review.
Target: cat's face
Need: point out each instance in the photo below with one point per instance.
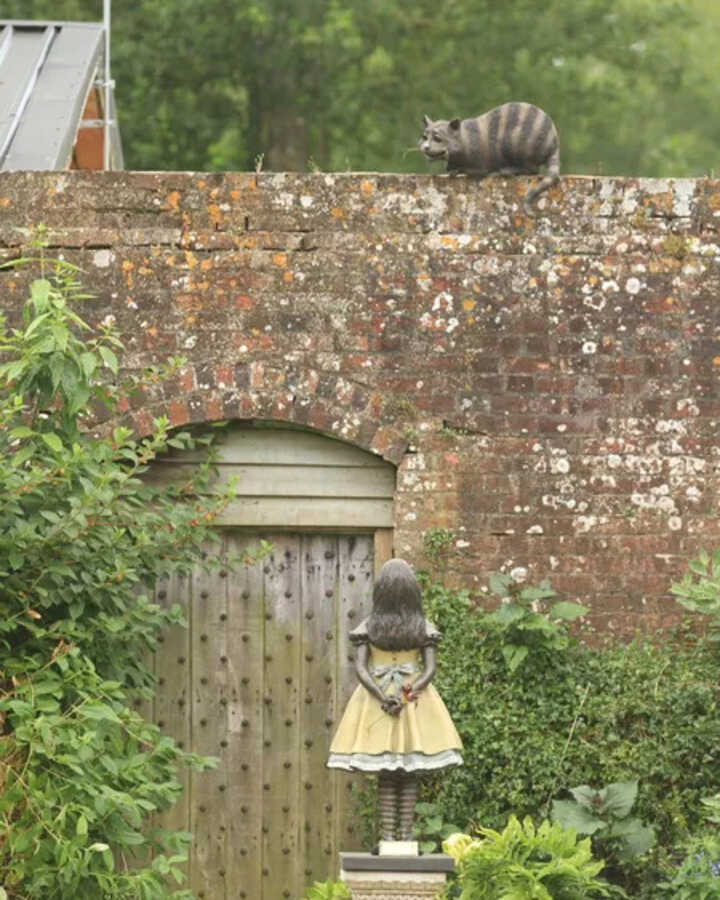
(439, 137)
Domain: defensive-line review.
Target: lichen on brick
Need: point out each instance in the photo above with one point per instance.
(547, 388)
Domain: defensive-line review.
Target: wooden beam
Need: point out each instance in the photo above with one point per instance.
(383, 547)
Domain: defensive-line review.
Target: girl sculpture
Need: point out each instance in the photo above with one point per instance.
(395, 722)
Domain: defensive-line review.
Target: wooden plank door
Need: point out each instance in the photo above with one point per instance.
(258, 680)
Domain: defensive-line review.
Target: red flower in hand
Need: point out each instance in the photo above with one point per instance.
(409, 695)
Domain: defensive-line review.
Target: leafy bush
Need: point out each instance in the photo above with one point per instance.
(699, 590)
(429, 828)
(605, 814)
(437, 543)
(528, 863)
(82, 540)
(524, 624)
(698, 876)
(695, 872)
(579, 715)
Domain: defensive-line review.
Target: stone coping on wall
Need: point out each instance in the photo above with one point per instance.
(369, 862)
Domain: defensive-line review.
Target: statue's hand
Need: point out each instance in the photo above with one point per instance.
(411, 693)
(392, 706)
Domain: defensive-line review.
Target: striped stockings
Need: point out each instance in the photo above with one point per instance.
(397, 795)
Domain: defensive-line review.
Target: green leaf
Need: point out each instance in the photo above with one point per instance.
(53, 441)
(507, 613)
(88, 362)
(567, 610)
(698, 566)
(81, 826)
(585, 796)
(109, 358)
(514, 655)
(40, 291)
(618, 798)
(98, 712)
(638, 837)
(61, 336)
(499, 584)
(22, 431)
(570, 814)
(22, 455)
(530, 594)
(10, 371)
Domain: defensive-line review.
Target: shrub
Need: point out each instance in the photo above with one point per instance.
(579, 715)
(524, 624)
(696, 876)
(543, 863)
(82, 541)
(604, 814)
(699, 590)
(429, 829)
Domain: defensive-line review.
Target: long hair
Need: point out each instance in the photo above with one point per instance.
(397, 621)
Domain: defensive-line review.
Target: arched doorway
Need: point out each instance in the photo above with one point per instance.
(264, 668)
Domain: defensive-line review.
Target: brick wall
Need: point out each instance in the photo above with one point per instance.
(548, 389)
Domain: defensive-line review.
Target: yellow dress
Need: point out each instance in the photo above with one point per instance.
(422, 737)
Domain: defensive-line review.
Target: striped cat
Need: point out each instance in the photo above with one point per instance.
(512, 139)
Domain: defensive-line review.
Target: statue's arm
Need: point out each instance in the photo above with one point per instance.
(362, 654)
(428, 672)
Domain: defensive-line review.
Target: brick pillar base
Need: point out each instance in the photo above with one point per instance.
(400, 889)
(394, 877)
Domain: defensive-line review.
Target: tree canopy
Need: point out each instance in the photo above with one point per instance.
(343, 84)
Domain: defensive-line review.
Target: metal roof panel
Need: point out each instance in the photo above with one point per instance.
(46, 133)
(24, 52)
(46, 72)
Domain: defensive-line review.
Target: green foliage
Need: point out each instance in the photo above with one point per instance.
(605, 814)
(523, 862)
(693, 873)
(437, 543)
(364, 797)
(324, 79)
(523, 624)
(83, 539)
(429, 828)
(712, 809)
(580, 715)
(699, 590)
(698, 876)
(328, 890)
(82, 773)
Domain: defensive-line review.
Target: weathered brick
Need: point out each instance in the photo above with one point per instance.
(557, 379)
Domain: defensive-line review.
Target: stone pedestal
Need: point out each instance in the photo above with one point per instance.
(372, 877)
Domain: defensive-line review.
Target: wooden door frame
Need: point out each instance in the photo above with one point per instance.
(382, 547)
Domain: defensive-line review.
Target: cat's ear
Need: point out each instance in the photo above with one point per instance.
(427, 121)
(455, 124)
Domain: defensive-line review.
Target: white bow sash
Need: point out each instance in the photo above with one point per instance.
(394, 675)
